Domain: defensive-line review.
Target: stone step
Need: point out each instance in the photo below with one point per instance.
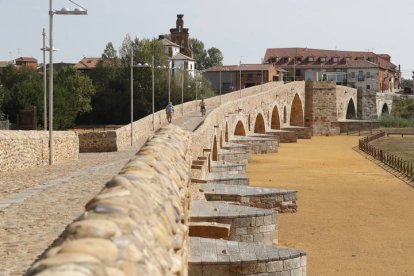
(285, 136)
(233, 156)
(248, 224)
(235, 146)
(302, 132)
(211, 230)
(221, 257)
(283, 201)
(229, 179)
(221, 167)
(257, 145)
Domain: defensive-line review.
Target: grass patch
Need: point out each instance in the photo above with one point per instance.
(398, 122)
(402, 147)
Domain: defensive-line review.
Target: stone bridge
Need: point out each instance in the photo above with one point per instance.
(183, 205)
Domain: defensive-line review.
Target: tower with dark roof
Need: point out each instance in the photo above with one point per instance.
(180, 35)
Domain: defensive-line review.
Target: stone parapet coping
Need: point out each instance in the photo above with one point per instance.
(242, 190)
(138, 223)
(214, 251)
(215, 209)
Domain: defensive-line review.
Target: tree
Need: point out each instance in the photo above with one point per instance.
(72, 97)
(22, 88)
(205, 58)
(2, 95)
(214, 57)
(109, 52)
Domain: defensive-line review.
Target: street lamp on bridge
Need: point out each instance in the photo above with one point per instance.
(65, 11)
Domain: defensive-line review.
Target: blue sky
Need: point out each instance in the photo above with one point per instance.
(240, 29)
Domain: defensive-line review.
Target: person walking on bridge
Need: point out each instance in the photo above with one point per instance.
(203, 107)
(169, 110)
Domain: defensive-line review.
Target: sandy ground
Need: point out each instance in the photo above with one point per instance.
(354, 218)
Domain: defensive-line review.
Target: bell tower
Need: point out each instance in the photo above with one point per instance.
(180, 35)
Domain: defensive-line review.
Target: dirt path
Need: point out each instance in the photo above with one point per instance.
(354, 218)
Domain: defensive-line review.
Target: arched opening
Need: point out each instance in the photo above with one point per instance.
(275, 118)
(350, 111)
(214, 155)
(240, 129)
(226, 133)
(385, 111)
(259, 125)
(296, 112)
(221, 140)
(284, 115)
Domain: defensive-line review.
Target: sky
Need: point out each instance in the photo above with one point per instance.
(241, 29)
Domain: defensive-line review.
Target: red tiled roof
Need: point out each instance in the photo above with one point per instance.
(27, 59)
(87, 63)
(382, 60)
(243, 67)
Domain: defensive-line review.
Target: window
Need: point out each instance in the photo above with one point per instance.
(323, 59)
(368, 87)
(335, 59)
(170, 52)
(353, 75)
(310, 59)
(368, 75)
(185, 65)
(361, 75)
(191, 66)
(249, 76)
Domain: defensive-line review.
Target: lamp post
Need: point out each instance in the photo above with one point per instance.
(44, 81)
(77, 11)
(139, 65)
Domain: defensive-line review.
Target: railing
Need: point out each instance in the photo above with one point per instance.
(387, 158)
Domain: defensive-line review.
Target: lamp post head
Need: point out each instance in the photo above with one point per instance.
(76, 11)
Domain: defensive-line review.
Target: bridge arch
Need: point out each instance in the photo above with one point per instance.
(296, 112)
(351, 110)
(385, 110)
(275, 121)
(240, 129)
(214, 154)
(259, 125)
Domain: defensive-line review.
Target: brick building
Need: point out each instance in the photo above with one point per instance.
(26, 62)
(364, 70)
(228, 77)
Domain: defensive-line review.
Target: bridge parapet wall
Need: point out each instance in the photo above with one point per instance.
(137, 225)
(25, 149)
(245, 109)
(143, 128)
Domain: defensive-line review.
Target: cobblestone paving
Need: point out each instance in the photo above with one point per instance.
(36, 204)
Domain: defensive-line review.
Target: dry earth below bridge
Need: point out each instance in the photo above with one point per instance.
(354, 218)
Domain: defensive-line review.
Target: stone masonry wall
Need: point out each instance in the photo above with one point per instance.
(137, 225)
(24, 149)
(101, 141)
(320, 111)
(4, 125)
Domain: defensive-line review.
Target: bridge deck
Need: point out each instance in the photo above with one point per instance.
(37, 204)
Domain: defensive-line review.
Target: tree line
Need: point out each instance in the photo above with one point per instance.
(103, 95)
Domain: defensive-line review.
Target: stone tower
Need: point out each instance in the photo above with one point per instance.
(180, 35)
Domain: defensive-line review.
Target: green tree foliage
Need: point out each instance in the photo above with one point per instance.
(407, 83)
(21, 89)
(2, 95)
(72, 97)
(404, 109)
(111, 103)
(205, 58)
(214, 58)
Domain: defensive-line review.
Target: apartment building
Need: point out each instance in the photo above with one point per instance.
(364, 70)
